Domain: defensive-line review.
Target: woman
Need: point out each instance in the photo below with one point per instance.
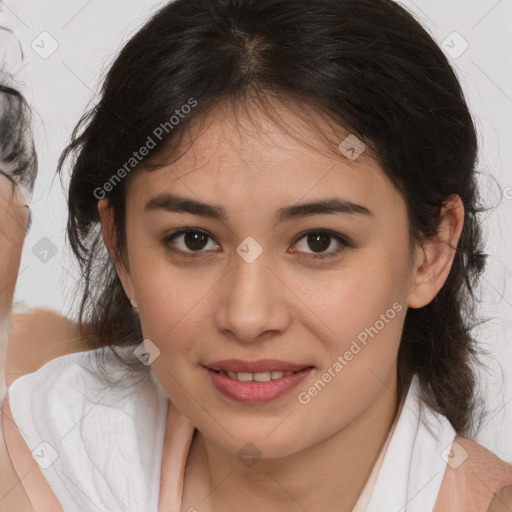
(275, 209)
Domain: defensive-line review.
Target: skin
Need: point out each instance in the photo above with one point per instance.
(502, 502)
(217, 306)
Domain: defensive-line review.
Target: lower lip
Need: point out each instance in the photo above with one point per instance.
(256, 392)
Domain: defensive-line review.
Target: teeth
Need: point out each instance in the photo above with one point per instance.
(258, 377)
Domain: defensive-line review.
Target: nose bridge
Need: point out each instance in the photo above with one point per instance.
(251, 302)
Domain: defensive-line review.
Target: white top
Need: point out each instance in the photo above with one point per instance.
(98, 439)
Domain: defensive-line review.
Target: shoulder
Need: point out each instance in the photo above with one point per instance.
(482, 465)
(36, 336)
(115, 453)
(76, 389)
(475, 477)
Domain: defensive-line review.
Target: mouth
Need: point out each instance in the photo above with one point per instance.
(268, 379)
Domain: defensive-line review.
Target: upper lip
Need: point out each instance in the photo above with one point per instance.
(262, 365)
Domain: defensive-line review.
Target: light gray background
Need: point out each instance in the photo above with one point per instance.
(89, 33)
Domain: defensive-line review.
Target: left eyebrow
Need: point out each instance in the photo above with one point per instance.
(174, 203)
(324, 206)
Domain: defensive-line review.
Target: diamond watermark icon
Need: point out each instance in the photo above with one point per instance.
(352, 147)
(454, 455)
(45, 454)
(44, 250)
(146, 352)
(45, 45)
(249, 249)
(455, 45)
(249, 455)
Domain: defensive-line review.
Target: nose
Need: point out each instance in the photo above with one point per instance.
(253, 302)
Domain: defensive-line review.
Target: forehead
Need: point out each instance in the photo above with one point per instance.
(253, 157)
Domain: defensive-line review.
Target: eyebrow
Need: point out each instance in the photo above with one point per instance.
(174, 203)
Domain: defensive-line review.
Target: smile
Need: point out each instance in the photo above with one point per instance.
(256, 387)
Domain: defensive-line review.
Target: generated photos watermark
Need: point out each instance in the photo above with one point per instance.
(158, 133)
(305, 397)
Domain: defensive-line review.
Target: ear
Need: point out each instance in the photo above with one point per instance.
(108, 232)
(433, 260)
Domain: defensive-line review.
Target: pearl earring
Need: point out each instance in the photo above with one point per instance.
(134, 304)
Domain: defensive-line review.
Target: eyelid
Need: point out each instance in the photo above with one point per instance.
(343, 240)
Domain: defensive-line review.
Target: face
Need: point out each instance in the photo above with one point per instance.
(322, 293)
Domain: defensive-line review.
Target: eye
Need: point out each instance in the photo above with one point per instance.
(319, 241)
(190, 241)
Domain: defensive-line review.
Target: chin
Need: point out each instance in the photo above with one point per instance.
(246, 439)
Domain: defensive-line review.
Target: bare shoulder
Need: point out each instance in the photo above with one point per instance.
(493, 472)
(38, 335)
(502, 501)
(482, 457)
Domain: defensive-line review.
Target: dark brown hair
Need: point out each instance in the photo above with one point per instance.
(369, 66)
(18, 159)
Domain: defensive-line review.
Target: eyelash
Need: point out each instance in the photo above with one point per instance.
(344, 243)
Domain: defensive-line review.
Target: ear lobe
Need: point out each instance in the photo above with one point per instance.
(106, 213)
(434, 259)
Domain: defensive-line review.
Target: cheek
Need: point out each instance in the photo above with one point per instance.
(173, 307)
(170, 312)
(363, 296)
(361, 315)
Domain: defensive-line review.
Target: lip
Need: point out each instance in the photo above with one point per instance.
(262, 365)
(254, 392)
